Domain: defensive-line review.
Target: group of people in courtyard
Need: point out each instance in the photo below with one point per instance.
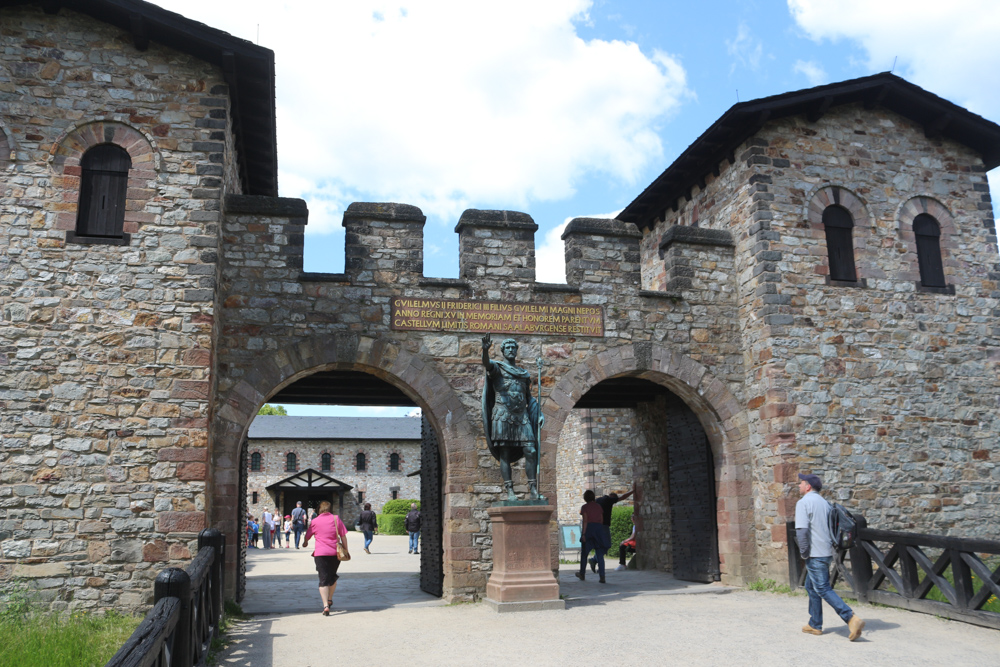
(270, 527)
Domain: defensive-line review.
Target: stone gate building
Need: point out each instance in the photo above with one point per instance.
(812, 285)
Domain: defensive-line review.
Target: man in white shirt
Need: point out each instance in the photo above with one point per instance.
(268, 528)
(812, 530)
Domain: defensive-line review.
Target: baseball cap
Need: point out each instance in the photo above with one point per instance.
(815, 482)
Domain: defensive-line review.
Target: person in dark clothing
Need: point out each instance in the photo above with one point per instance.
(607, 503)
(593, 537)
(298, 522)
(412, 525)
(368, 524)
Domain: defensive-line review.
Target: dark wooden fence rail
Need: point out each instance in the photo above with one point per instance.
(906, 566)
(179, 628)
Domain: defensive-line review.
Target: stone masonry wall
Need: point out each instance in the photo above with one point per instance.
(105, 350)
(377, 482)
(595, 452)
(279, 323)
(886, 391)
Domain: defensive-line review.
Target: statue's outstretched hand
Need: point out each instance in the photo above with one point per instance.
(487, 342)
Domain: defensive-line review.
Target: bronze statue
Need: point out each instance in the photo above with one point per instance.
(512, 417)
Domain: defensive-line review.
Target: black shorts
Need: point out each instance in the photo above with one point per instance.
(327, 567)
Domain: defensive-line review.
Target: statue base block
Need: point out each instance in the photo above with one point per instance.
(522, 578)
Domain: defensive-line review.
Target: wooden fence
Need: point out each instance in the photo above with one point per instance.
(900, 569)
(178, 630)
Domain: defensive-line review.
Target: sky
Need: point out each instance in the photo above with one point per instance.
(558, 108)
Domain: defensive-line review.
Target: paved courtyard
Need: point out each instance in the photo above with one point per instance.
(381, 617)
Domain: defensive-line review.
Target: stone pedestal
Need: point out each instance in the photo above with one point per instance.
(522, 577)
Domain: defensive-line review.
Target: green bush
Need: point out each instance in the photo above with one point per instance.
(399, 506)
(391, 524)
(621, 525)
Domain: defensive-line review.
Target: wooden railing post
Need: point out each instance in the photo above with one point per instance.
(861, 562)
(175, 582)
(795, 562)
(212, 537)
(962, 575)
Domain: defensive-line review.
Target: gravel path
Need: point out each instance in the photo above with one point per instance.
(632, 624)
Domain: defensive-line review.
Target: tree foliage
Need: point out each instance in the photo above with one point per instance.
(268, 409)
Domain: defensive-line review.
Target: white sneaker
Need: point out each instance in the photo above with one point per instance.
(620, 568)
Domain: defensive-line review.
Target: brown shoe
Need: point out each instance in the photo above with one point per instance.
(810, 630)
(856, 625)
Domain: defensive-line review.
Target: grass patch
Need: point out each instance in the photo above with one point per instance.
(35, 638)
(769, 586)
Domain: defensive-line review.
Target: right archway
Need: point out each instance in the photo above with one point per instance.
(706, 423)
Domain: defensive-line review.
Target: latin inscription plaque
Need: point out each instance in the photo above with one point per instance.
(499, 317)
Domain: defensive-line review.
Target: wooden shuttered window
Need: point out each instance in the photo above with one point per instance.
(103, 186)
(928, 234)
(839, 226)
(255, 462)
(394, 462)
(291, 463)
(325, 462)
(360, 463)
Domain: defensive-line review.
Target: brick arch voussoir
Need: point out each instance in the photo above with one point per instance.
(68, 149)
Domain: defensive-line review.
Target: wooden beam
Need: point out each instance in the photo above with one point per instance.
(820, 109)
(140, 35)
(876, 98)
(934, 129)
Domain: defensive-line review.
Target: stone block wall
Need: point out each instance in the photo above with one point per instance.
(105, 350)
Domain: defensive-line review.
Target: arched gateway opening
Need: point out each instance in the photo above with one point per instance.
(681, 438)
(355, 381)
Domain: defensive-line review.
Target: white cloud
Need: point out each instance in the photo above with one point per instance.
(812, 70)
(745, 49)
(550, 256)
(449, 103)
(947, 48)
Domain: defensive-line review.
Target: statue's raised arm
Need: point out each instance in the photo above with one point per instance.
(487, 344)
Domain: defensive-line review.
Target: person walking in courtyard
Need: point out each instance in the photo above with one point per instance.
(593, 537)
(328, 530)
(267, 527)
(368, 524)
(816, 544)
(255, 527)
(276, 535)
(298, 522)
(607, 504)
(287, 527)
(412, 525)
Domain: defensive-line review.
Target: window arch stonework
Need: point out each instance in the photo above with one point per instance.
(259, 461)
(291, 462)
(399, 462)
(362, 461)
(66, 157)
(326, 461)
(908, 212)
(834, 195)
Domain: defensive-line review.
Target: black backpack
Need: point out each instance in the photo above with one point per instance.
(843, 527)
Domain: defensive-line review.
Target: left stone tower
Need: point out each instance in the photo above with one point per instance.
(120, 135)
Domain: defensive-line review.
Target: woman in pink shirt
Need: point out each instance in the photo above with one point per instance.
(328, 529)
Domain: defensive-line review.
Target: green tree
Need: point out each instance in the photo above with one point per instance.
(268, 409)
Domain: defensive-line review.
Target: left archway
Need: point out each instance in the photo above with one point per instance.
(243, 391)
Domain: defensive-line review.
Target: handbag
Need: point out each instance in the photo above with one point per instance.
(342, 552)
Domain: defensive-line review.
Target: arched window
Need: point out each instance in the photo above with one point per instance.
(325, 462)
(360, 463)
(103, 185)
(394, 462)
(291, 462)
(839, 226)
(255, 462)
(928, 233)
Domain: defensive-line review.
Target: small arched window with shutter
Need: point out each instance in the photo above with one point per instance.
(394, 462)
(255, 462)
(928, 233)
(103, 186)
(291, 462)
(361, 464)
(325, 462)
(839, 226)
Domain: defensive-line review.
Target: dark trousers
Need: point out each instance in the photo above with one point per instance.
(624, 551)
